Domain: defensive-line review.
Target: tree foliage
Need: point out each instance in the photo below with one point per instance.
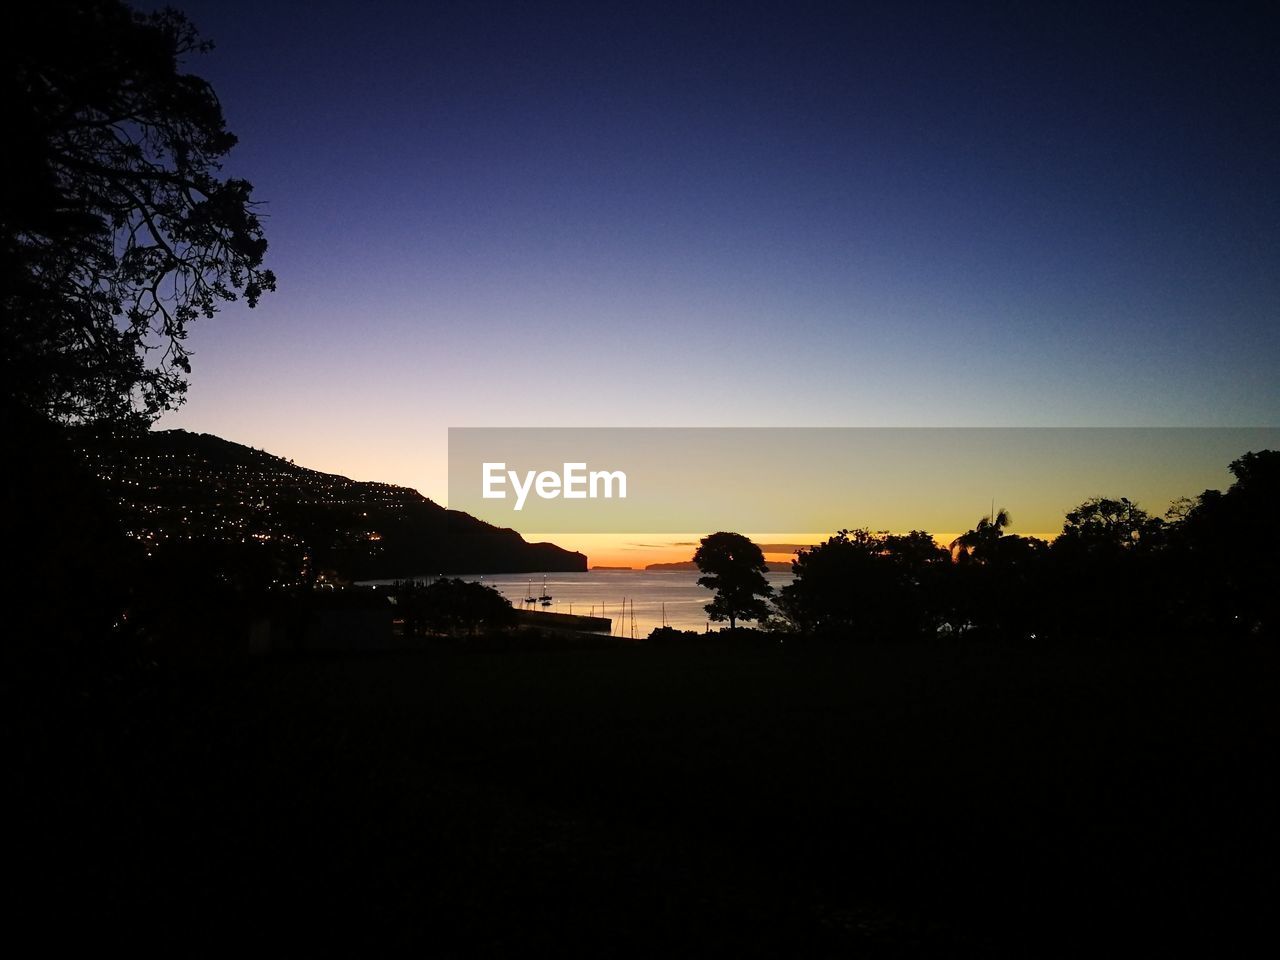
(1227, 542)
(1103, 524)
(734, 568)
(981, 542)
(117, 227)
(454, 607)
(860, 583)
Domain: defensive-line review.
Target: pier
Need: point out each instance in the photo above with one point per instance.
(563, 621)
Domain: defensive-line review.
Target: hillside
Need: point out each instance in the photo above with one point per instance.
(172, 485)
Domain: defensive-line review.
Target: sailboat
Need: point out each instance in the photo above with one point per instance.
(546, 597)
(530, 598)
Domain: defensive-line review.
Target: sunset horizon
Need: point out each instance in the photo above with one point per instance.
(706, 479)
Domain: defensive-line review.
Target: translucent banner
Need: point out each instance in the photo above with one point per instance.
(785, 480)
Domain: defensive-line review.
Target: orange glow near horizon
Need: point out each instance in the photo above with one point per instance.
(636, 551)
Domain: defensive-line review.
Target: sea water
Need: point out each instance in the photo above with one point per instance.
(651, 597)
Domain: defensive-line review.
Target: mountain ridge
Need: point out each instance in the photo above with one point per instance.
(179, 485)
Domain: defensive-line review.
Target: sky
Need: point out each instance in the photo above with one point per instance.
(741, 214)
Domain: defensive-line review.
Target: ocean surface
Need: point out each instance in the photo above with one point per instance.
(651, 597)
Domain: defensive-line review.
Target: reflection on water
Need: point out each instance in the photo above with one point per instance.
(649, 596)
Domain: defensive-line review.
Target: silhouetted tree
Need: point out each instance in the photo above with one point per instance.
(116, 227)
(734, 568)
(1103, 525)
(926, 580)
(1226, 544)
(452, 606)
(998, 583)
(859, 583)
(980, 542)
(916, 553)
(1109, 572)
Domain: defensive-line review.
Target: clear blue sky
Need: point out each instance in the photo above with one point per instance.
(750, 214)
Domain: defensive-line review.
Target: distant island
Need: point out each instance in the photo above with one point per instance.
(176, 487)
(612, 568)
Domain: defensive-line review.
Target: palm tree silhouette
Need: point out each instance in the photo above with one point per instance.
(980, 542)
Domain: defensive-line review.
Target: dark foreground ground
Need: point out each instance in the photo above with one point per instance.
(870, 801)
